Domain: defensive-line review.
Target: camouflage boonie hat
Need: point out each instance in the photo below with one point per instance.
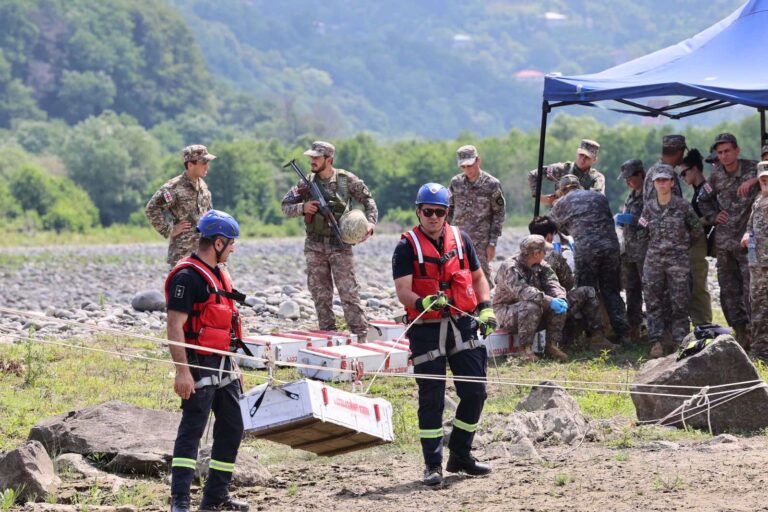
(674, 142)
(725, 137)
(588, 148)
(630, 168)
(321, 148)
(664, 171)
(762, 169)
(534, 243)
(466, 155)
(568, 181)
(197, 152)
(764, 150)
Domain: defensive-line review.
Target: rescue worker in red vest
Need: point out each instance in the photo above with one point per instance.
(202, 312)
(439, 280)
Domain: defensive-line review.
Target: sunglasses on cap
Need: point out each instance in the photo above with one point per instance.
(439, 212)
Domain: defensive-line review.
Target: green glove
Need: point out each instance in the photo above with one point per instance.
(487, 321)
(433, 302)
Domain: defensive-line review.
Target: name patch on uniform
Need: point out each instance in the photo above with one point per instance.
(642, 221)
(178, 292)
(707, 188)
(167, 196)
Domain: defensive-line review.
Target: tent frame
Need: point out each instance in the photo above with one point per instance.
(695, 106)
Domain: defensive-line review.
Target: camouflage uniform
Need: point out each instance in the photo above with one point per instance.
(478, 208)
(591, 179)
(181, 199)
(586, 215)
(758, 228)
(670, 230)
(329, 262)
(732, 269)
(522, 297)
(583, 303)
(633, 258)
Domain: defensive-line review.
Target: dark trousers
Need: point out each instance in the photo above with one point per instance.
(472, 363)
(227, 434)
(601, 270)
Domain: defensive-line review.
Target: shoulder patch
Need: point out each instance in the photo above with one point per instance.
(167, 195)
(642, 221)
(707, 188)
(178, 292)
(500, 200)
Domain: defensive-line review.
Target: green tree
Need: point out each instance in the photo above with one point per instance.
(85, 94)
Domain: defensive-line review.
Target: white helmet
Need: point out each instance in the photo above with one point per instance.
(353, 226)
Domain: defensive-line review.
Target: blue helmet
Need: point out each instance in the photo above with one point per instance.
(433, 193)
(218, 223)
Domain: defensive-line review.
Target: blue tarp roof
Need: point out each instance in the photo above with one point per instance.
(728, 62)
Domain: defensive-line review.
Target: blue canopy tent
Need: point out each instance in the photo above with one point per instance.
(722, 66)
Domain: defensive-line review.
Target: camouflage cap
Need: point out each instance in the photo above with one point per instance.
(762, 169)
(673, 142)
(588, 148)
(466, 155)
(630, 168)
(712, 158)
(321, 148)
(534, 243)
(664, 171)
(197, 152)
(725, 137)
(568, 181)
(764, 150)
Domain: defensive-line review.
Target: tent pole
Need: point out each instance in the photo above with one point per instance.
(542, 139)
(763, 134)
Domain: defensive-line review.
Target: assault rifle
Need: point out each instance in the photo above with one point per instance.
(317, 195)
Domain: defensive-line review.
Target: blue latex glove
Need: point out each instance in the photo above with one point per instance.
(624, 219)
(559, 306)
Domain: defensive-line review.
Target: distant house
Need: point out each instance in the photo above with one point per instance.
(463, 41)
(529, 75)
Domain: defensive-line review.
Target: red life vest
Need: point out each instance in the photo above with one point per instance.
(447, 272)
(213, 322)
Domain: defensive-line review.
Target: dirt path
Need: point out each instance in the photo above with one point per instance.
(693, 477)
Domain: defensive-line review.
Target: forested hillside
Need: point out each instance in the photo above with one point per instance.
(97, 97)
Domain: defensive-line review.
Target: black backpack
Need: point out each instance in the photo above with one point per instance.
(703, 336)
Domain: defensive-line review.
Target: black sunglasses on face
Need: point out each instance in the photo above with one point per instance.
(439, 212)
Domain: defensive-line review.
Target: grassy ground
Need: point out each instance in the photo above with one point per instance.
(39, 380)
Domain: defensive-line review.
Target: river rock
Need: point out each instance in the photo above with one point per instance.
(148, 300)
(290, 310)
(29, 471)
(722, 362)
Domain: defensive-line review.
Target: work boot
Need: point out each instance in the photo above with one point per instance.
(433, 475)
(634, 333)
(528, 355)
(180, 503)
(211, 505)
(657, 350)
(555, 353)
(466, 463)
(599, 342)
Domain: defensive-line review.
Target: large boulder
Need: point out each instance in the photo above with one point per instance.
(28, 470)
(148, 300)
(248, 470)
(140, 439)
(722, 362)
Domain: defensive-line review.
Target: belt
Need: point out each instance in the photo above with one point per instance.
(459, 344)
(219, 380)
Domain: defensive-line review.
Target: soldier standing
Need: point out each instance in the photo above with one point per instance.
(586, 215)
(588, 177)
(634, 246)
(583, 304)
(477, 206)
(728, 206)
(701, 301)
(529, 297)
(329, 260)
(756, 241)
(670, 225)
(177, 206)
(673, 149)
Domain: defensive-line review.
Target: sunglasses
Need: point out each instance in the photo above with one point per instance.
(439, 212)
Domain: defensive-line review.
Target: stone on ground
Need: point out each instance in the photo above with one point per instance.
(722, 362)
(148, 300)
(28, 470)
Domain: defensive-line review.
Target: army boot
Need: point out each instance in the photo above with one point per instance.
(597, 341)
(634, 334)
(467, 464)
(555, 353)
(180, 503)
(528, 355)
